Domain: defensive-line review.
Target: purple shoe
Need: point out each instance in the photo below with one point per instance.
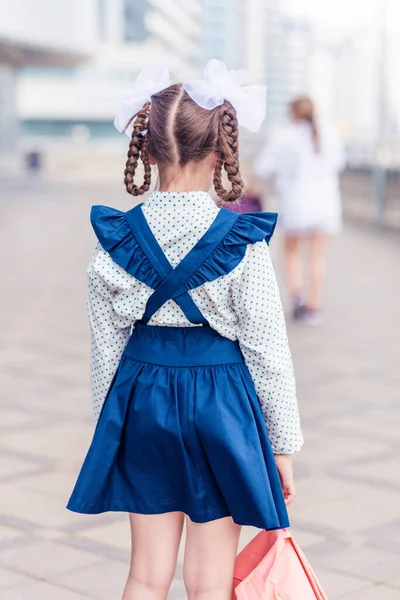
(297, 308)
(312, 316)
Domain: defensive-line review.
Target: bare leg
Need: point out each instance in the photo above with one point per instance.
(316, 269)
(293, 264)
(155, 545)
(210, 555)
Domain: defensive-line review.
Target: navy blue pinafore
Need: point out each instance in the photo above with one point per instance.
(181, 428)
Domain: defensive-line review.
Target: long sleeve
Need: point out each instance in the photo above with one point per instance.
(108, 340)
(263, 341)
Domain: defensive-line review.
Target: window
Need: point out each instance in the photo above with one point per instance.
(101, 19)
(134, 20)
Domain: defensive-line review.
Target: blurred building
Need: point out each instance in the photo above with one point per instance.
(393, 51)
(289, 46)
(258, 35)
(133, 32)
(349, 78)
(235, 32)
(254, 46)
(223, 28)
(342, 80)
(41, 34)
(80, 101)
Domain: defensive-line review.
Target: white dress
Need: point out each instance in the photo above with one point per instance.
(307, 181)
(243, 305)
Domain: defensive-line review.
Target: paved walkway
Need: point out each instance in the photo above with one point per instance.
(347, 514)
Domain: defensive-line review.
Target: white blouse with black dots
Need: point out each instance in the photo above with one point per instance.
(243, 305)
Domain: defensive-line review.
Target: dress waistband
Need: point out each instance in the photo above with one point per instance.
(182, 346)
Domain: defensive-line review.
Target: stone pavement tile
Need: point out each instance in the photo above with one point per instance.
(35, 507)
(33, 414)
(375, 424)
(341, 511)
(247, 534)
(103, 581)
(31, 396)
(57, 484)
(395, 581)
(13, 466)
(335, 585)
(51, 442)
(42, 591)
(9, 533)
(177, 591)
(116, 535)
(378, 471)
(45, 558)
(86, 522)
(11, 579)
(320, 488)
(336, 448)
(386, 537)
(344, 515)
(375, 592)
(361, 562)
(306, 539)
(12, 418)
(322, 412)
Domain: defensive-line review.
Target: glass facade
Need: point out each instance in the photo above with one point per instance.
(289, 47)
(101, 19)
(135, 29)
(64, 128)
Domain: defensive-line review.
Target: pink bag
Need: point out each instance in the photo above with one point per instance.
(272, 567)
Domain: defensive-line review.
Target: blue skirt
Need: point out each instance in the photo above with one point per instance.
(182, 430)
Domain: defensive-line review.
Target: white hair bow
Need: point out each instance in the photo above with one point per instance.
(151, 79)
(219, 84)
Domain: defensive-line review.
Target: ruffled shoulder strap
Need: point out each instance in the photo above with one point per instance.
(248, 228)
(115, 235)
(255, 227)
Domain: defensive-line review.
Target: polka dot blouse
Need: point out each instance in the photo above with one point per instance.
(243, 305)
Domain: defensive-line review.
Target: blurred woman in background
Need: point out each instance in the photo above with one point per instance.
(305, 159)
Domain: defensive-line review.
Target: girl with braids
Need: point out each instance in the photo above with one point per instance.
(305, 159)
(192, 376)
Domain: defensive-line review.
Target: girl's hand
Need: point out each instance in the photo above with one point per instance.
(285, 470)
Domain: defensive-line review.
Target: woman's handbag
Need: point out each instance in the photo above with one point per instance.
(272, 567)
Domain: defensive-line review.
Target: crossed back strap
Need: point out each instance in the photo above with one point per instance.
(174, 280)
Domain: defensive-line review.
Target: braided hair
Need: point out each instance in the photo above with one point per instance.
(228, 156)
(138, 149)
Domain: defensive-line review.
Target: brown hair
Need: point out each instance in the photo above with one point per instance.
(303, 110)
(174, 129)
